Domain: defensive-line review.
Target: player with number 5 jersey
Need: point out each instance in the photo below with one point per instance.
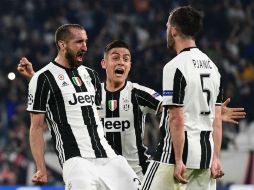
(195, 85)
(187, 156)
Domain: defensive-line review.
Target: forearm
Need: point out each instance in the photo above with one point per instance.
(217, 133)
(30, 75)
(177, 133)
(37, 146)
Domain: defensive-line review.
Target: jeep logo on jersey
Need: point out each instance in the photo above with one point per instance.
(112, 105)
(77, 81)
(115, 124)
(82, 98)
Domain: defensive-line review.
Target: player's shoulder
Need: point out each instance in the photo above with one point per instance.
(173, 63)
(88, 70)
(143, 88)
(135, 85)
(41, 75)
(42, 71)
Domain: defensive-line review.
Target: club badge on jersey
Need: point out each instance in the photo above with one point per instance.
(126, 104)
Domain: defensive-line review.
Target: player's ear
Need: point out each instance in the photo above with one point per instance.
(61, 44)
(174, 31)
(103, 64)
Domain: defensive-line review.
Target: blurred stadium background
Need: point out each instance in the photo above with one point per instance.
(27, 29)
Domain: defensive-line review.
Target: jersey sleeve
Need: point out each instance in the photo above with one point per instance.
(174, 84)
(220, 97)
(148, 99)
(38, 93)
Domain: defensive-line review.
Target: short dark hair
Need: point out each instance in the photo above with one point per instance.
(63, 32)
(115, 44)
(187, 20)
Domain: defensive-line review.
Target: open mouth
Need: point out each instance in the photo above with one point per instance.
(80, 56)
(119, 72)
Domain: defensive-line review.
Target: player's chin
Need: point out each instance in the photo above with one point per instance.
(78, 62)
(40, 183)
(120, 78)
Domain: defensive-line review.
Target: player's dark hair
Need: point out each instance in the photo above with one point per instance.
(187, 20)
(64, 33)
(115, 44)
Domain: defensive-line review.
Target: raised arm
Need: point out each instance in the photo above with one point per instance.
(25, 68)
(37, 147)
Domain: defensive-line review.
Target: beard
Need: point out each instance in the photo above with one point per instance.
(71, 57)
(170, 41)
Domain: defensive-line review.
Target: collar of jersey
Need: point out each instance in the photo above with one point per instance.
(117, 90)
(187, 49)
(59, 65)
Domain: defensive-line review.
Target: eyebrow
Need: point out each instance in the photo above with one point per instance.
(126, 54)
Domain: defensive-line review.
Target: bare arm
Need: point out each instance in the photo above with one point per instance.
(176, 125)
(230, 114)
(37, 147)
(25, 68)
(216, 168)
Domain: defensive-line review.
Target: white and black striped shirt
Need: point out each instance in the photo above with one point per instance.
(123, 116)
(190, 80)
(69, 98)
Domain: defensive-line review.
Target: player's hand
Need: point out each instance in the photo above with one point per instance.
(25, 68)
(230, 114)
(216, 169)
(40, 177)
(180, 172)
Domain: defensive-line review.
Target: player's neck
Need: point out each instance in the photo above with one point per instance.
(62, 61)
(114, 86)
(184, 43)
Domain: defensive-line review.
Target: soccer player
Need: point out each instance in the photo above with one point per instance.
(67, 93)
(124, 105)
(187, 156)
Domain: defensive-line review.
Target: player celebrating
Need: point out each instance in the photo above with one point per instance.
(124, 105)
(187, 156)
(66, 93)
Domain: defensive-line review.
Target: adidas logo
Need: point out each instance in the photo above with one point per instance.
(65, 84)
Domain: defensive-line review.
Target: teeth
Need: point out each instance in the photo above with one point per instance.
(119, 71)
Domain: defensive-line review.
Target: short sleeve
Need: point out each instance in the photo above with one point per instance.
(220, 97)
(38, 93)
(174, 84)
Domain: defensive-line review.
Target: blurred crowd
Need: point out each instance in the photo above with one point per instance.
(27, 29)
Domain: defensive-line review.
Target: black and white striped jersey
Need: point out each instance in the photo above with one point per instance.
(190, 80)
(123, 116)
(69, 98)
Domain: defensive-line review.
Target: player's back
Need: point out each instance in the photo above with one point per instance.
(202, 88)
(192, 81)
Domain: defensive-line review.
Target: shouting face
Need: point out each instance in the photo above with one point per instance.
(117, 63)
(75, 47)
